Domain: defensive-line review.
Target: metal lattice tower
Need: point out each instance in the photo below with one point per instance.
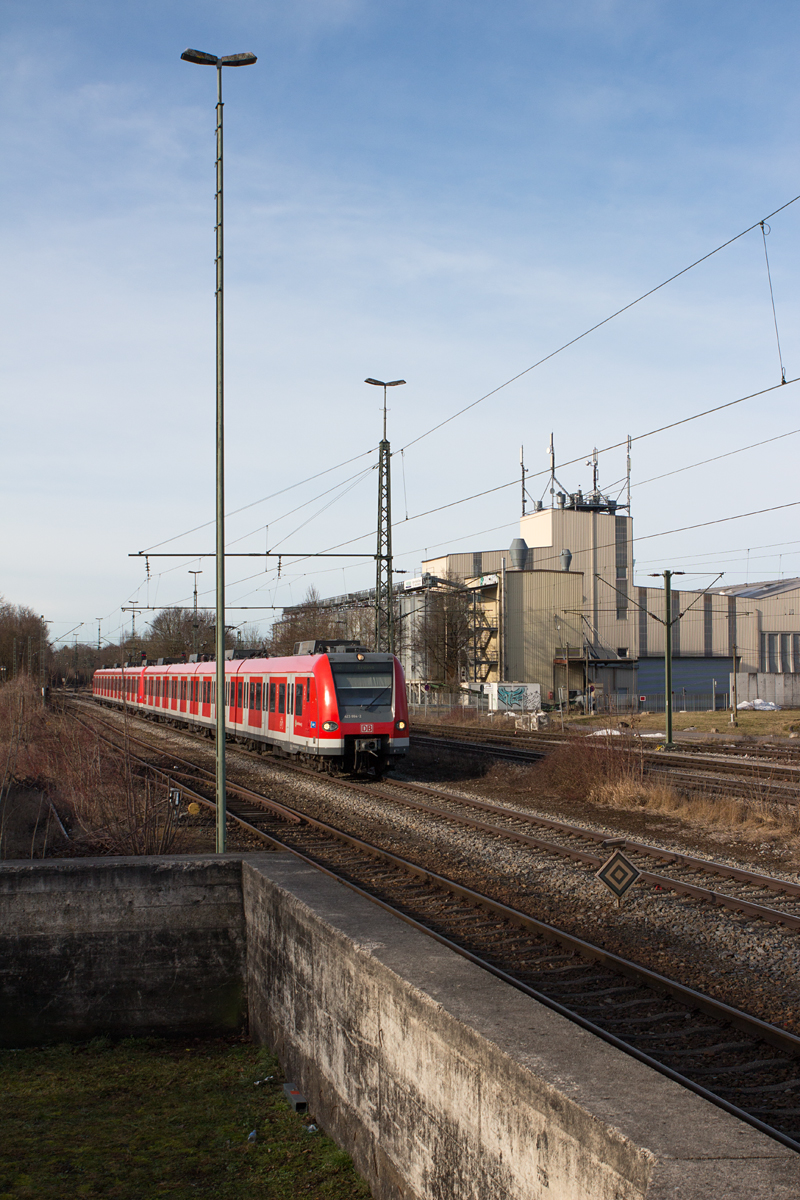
(384, 616)
(384, 606)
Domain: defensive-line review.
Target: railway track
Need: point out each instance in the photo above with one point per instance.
(764, 780)
(742, 1064)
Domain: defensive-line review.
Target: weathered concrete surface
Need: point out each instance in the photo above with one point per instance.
(120, 946)
(446, 1084)
(441, 1081)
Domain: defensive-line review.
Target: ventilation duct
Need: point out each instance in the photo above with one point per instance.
(566, 559)
(518, 552)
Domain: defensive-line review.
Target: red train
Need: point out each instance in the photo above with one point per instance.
(342, 706)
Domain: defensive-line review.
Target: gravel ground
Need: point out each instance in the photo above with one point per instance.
(746, 963)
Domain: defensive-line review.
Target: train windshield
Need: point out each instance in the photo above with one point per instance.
(363, 688)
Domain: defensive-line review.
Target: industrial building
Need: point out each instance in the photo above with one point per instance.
(559, 608)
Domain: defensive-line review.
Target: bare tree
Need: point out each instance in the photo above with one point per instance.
(23, 639)
(442, 633)
(172, 634)
(311, 619)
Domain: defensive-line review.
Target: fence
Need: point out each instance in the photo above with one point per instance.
(469, 705)
(682, 701)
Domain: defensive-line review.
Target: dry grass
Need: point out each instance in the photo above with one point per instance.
(109, 807)
(600, 773)
(751, 724)
(755, 820)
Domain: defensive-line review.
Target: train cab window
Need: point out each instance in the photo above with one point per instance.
(308, 688)
(281, 697)
(298, 703)
(272, 691)
(290, 699)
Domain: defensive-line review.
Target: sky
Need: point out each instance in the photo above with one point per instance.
(420, 189)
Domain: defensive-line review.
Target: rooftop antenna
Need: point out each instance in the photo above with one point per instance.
(630, 443)
(522, 469)
(552, 473)
(593, 464)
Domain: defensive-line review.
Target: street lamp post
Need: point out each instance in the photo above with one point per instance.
(225, 60)
(384, 616)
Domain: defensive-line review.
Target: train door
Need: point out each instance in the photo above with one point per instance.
(301, 708)
(237, 700)
(277, 704)
(255, 703)
(310, 707)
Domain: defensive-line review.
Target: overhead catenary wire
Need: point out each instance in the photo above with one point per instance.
(765, 229)
(599, 324)
(263, 499)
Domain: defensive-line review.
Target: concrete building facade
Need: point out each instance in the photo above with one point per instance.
(560, 608)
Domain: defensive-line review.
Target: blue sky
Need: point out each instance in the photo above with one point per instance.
(435, 191)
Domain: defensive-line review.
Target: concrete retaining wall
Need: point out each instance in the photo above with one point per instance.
(783, 689)
(446, 1084)
(120, 946)
(441, 1081)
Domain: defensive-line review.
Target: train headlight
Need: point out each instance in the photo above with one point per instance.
(400, 725)
(330, 726)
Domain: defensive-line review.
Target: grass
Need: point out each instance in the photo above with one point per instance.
(146, 1118)
(751, 724)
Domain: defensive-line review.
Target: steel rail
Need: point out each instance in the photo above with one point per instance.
(665, 882)
(668, 883)
(655, 982)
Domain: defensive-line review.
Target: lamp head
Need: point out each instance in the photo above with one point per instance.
(212, 60)
(200, 57)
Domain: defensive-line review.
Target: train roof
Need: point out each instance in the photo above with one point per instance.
(290, 664)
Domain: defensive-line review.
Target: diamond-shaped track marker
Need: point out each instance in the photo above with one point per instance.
(618, 873)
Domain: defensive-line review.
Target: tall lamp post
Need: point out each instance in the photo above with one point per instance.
(225, 60)
(384, 616)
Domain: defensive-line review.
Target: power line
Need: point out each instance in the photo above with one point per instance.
(599, 325)
(716, 458)
(264, 499)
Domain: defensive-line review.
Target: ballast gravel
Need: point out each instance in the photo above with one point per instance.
(744, 962)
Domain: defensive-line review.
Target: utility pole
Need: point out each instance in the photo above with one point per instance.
(735, 697)
(98, 619)
(384, 599)
(522, 471)
(194, 622)
(668, 653)
(42, 673)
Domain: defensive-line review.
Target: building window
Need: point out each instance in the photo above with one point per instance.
(786, 655)
(622, 651)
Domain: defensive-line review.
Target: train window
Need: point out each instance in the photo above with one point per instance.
(239, 693)
(290, 699)
(227, 692)
(362, 687)
(272, 690)
(308, 688)
(213, 692)
(298, 704)
(258, 697)
(281, 697)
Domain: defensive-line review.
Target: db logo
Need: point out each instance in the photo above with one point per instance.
(367, 728)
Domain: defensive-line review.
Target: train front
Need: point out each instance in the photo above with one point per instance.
(373, 712)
